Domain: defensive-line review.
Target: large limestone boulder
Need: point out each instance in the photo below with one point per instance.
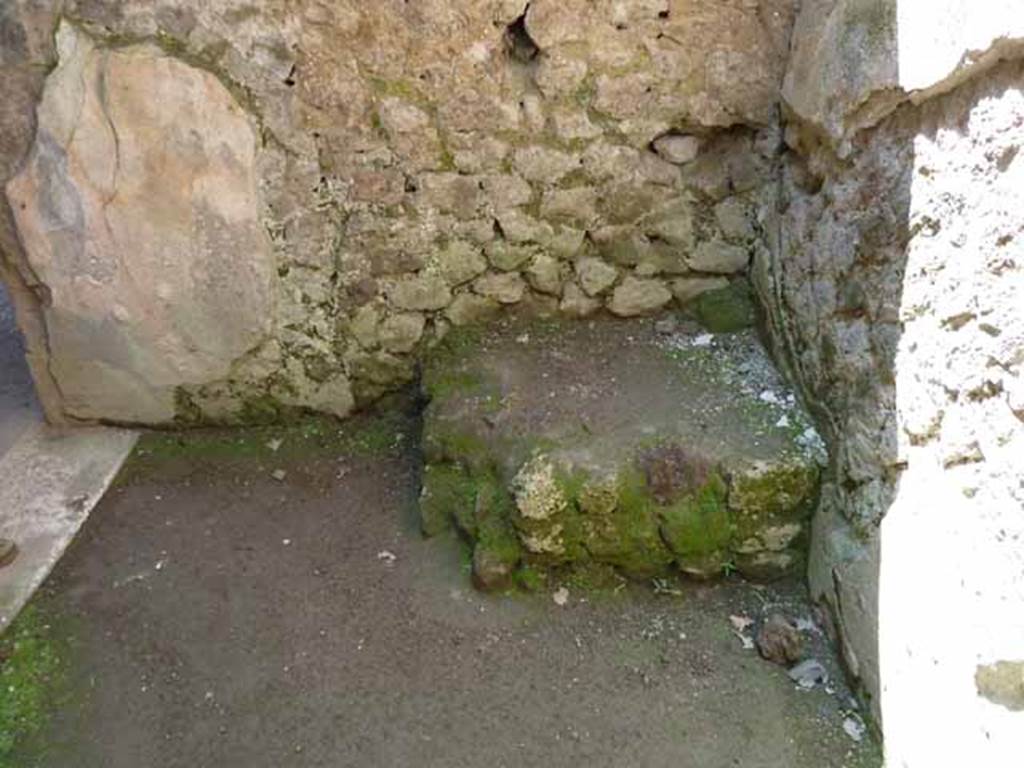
(138, 210)
(561, 444)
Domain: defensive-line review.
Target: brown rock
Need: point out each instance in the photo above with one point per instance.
(779, 641)
(490, 571)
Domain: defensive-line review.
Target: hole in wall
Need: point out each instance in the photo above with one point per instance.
(518, 43)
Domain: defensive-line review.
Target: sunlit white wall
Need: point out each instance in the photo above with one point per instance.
(952, 572)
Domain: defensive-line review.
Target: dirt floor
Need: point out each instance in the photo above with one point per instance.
(235, 601)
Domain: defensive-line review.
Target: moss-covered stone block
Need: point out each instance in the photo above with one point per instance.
(726, 310)
(448, 494)
(559, 447)
(623, 530)
(698, 529)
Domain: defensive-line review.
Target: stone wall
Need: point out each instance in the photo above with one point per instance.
(220, 211)
(230, 209)
(896, 296)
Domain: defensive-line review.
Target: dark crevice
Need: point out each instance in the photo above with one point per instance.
(518, 43)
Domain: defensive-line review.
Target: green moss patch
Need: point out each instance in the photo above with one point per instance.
(727, 309)
(366, 436)
(33, 680)
(697, 528)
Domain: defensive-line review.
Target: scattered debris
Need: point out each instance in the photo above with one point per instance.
(854, 727)
(279, 475)
(387, 556)
(783, 421)
(740, 624)
(704, 340)
(275, 444)
(808, 674)
(779, 641)
(561, 596)
(286, 542)
(667, 326)
(664, 587)
(806, 625)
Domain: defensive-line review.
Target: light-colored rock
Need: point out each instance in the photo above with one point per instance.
(365, 326)
(519, 227)
(139, 213)
(734, 219)
(546, 274)
(686, 289)
(576, 303)
(569, 125)
(412, 134)
(677, 148)
(421, 292)
(639, 297)
(595, 276)
(719, 257)
(402, 332)
(505, 288)
(506, 190)
(542, 164)
(577, 205)
(559, 73)
(507, 257)
(452, 193)
(469, 308)
(459, 262)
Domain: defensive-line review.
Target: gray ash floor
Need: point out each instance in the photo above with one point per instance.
(220, 617)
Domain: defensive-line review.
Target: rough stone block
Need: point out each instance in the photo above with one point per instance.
(608, 442)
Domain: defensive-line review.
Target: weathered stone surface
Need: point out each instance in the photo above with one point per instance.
(576, 303)
(595, 276)
(889, 294)
(638, 297)
(459, 262)
(719, 257)
(779, 641)
(383, 159)
(1002, 683)
(158, 277)
(401, 332)
(420, 292)
(686, 289)
(505, 256)
(855, 61)
(468, 308)
(505, 288)
(641, 486)
(677, 148)
(734, 219)
(546, 274)
(726, 309)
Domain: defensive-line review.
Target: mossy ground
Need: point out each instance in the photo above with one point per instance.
(33, 679)
(372, 435)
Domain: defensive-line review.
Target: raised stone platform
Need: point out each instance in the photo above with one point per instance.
(641, 445)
